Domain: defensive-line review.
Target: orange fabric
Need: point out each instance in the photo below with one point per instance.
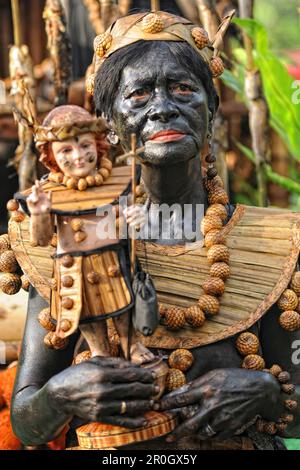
(8, 441)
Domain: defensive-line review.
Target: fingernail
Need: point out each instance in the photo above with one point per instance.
(153, 374)
(156, 388)
(170, 439)
(156, 407)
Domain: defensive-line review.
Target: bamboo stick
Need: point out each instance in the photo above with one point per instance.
(16, 22)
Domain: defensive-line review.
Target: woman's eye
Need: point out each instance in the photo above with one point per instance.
(140, 94)
(66, 150)
(85, 146)
(182, 88)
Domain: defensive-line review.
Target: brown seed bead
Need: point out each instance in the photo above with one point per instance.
(275, 370)
(93, 278)
(218, 253)
(291, 405)
(253, 362)
(216, 67)
(90, 83)
(67, 281)
(284, 377)
(247, 343)
(98, 180)
(295, 283)
(220, 270)
(113, 271)
(25, 282)
(65, 325)
(218, 196)
(290, 320)
(288, 388)
(17, 216)
(72, 183)
(59, 343)
(298, 306)
(152, 23)
(288, 300)
(67, 303)
(200, 37)
(287, 418)
(210, 222)
(4, 243)
(106, 163)
(162, 310)
(67, 261)
(175, 379)
(194, 316)
(82, 184)
(77, 224)
(213, 286)
(219, 210)
(90, 181)
(104, 173)
(174, 318)
(102, 43)
(8, 262)
(139, 190)
(181, 359)
(80, 236)
(214, 183)
(10, 284)
(212, 172)
(214, 237)
(270, 428)
(44, 319)
(56, 177)
(12, 205)
(210, 158)
(209, 304)
(281, 427)
(48, 339)
(83, 356)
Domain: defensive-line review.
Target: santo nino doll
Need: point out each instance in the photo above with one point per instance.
(91, 280)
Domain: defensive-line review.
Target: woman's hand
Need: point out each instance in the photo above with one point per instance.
(222, 401)
(39, 202)
(96, 390)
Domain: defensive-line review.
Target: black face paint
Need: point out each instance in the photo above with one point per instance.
(65, 163)
(91, 157)
(156, 94)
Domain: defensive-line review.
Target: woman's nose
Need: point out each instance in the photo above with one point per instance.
(77, 154)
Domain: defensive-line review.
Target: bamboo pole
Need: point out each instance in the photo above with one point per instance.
(155, 5)
(16, 22)
(133, 183)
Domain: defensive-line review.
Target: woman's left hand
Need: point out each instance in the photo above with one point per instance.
(222, 401)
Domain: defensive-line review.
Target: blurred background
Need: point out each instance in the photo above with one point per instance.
(257, 129)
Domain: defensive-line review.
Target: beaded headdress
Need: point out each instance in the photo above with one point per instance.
(157, 26)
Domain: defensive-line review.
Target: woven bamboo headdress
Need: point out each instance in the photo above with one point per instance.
(157, 26)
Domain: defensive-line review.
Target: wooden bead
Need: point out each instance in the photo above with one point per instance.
(90, 181)
(67, 303)
(287, 418)
(67, 261)
(174, 318)
(209, 304)
(290, 320)
(77, 224)
(17, 216)
(102, 43)
(175, 379)
(295, 283)
(104, 173)
(83, 356)
(65, 325)
(162, 310)
(214, 237)
(106, 163)
(220, 270)
(72, 183)
(290, 405)
(44, 319)
(284, 377)
(93, 278)
(82, 184)
(25, 282)
(113, 271)
(247, 344)
(212, 172)
(200, 37)
(214, 286)
(214, 183)
(181, 359)
(288, 300)
(218, 210)
(216, 67)
(298, 306)
(210, 158)
(67, 281)
(218, 196)
(56, 177)
(12, 205)
(275, 370)
(152, 23)
(210, 222)
(289, 389)
(218, 253)
(10, 283)
(98, 180)
(253, 362)
(8, 262)
(53, 341)
(4, 243)
(194, 316)
(80, 236)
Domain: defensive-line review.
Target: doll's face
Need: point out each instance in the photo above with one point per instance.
(165, 105)
(76, 157)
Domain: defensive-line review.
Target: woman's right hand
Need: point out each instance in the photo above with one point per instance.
(96, 390)
(39, 202)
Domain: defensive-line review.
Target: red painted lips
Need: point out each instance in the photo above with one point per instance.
(167, 136)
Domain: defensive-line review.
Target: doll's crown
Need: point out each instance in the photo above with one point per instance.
(157, 26)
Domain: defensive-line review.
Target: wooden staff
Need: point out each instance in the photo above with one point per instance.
(133, 183)
(155, 6)
(16, 22)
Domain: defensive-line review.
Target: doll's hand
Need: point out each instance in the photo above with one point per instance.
(135, 216)
(39, 202)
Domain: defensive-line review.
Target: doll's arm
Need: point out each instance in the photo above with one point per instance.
(41, 221)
